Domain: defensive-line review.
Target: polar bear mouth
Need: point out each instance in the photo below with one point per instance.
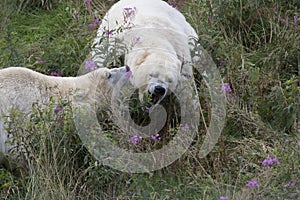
(156, 94)
(155, 99)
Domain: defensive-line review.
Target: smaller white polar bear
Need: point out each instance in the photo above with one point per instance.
(157, 39)
(21, 87)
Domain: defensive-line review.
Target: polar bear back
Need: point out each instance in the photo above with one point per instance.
(147, 14)
(21, 87)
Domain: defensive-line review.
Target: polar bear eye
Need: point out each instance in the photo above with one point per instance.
(170, 80)
(154, 74)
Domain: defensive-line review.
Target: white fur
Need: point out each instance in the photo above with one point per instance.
(21, 87)
(156, 36)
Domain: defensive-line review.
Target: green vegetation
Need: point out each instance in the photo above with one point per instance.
(256, 46)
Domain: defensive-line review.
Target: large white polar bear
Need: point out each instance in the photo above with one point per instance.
(21, 87)
(156, 37)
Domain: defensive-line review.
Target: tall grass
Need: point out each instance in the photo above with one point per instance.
(255, 45)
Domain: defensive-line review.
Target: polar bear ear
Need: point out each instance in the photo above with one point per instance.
(109, 75)
(118, 73)
(127, 68)
(187, 70)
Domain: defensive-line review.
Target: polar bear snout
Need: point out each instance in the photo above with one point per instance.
(159, 90)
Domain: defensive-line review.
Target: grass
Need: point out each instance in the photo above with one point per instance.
(255, 45)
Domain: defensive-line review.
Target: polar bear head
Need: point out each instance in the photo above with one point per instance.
(116, 74)
(97, 86)
(154, 72)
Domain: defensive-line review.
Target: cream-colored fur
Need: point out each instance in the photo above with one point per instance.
(156, 36)
(21, 87)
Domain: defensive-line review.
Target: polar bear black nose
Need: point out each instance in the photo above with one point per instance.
(159, 90)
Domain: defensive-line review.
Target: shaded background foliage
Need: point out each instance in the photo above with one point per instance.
(255, 45)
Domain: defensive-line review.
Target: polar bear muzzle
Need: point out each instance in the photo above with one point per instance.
(158, 92)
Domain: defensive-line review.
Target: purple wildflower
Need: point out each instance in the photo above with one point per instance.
(90, 65)
(97, 20)
(137, 39)
(108, 32)
(270, 161)
(55, 73)
(128, 13)
(295, 18)
(135, 139)
(222, 63)
(128, 74)
(265, 162)
(290, 184)
(87, 1)
(252, 184)
(57, 109)
(185, 127)
(298, 130)
(128, 9)
(172, 3)
(226, 88)
(91, 25)
(223, 198)
(155, 137)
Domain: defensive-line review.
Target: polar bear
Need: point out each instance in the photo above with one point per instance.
(21, 87)
(158, 42)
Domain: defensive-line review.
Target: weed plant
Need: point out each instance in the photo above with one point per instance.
(255, 45)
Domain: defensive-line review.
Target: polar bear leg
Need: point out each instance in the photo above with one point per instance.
(3, 139)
